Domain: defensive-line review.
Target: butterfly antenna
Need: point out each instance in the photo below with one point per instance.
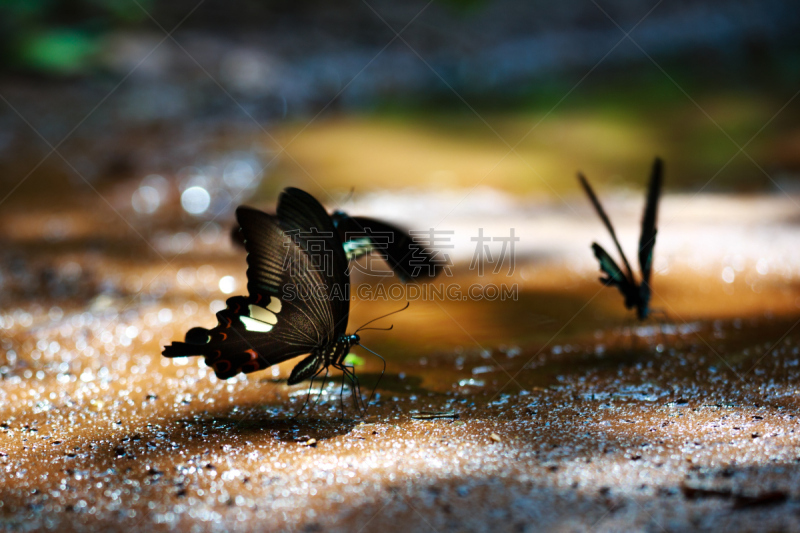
(384, 316)
(350, 196)
(382, 372)
(346, 198)
(390, 328)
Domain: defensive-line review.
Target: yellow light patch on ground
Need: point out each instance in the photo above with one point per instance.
(362, 152)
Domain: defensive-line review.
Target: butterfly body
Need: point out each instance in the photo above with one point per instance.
(636, 294)
(332, 355)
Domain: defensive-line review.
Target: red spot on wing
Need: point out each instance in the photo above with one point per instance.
(221, 366)
(250, 367)
(211, 358)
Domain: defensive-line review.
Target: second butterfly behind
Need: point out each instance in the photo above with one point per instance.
(360, 236)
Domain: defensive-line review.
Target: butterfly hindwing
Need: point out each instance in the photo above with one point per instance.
(249, 337)
(268, 326)
(298, 294)
(614, 274)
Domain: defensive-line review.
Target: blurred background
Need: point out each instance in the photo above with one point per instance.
(131, 129)
(128, 88)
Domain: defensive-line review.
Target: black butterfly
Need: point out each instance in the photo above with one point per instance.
(360, 236)
(636, 295)
(297, 304)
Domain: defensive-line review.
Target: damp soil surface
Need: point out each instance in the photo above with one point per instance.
(553, 410)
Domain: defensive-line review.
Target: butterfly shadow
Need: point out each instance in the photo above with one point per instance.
(255, 424)
(377, 381)
(391, 383)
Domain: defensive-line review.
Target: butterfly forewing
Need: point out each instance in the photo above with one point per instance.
(408, 259)
(359, 236)
(601, 212)
(647, 240)
(309, 225)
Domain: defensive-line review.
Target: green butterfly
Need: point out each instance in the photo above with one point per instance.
(636, 294)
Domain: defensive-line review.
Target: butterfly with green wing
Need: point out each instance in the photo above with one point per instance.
(637, 295)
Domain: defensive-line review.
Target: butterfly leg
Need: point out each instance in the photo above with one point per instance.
(322, 387)
(348, 373)
(345, 374)
(358, 386)
(380, 378)
(358, 400)
(310, 386)
(341, 391)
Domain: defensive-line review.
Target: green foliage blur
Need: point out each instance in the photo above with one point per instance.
(61, 37)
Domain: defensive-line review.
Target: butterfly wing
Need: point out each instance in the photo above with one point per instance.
(408, 259)
(310, 226)
(361, 236)
(647, 240)
(601, 212)
(614, 275)
(272, 324)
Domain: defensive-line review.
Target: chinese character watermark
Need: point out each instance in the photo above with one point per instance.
(427, 261)
(483, 254)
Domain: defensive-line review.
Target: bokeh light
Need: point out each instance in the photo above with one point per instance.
(195, 200)
(227, 284)
(146, 199)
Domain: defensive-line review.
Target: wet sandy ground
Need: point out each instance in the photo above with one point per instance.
(569, 415)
